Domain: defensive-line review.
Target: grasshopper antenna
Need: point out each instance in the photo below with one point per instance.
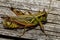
(49, 7)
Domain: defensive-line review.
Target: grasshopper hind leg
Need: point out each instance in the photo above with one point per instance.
(23, 31)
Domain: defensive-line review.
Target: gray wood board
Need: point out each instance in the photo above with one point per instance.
(52, 27)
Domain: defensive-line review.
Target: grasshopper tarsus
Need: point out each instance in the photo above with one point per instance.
(43, 31)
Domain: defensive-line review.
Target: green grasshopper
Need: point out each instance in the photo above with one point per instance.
(25, 21)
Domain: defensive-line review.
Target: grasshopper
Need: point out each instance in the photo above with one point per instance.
(25, 21)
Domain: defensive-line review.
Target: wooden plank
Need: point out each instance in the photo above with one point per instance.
(51, 18)
(52, 27)
(32, 34)
(21, 5)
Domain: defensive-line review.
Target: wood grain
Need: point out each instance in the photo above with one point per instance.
(52, 27)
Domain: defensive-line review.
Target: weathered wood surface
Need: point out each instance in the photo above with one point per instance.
(52, 27)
